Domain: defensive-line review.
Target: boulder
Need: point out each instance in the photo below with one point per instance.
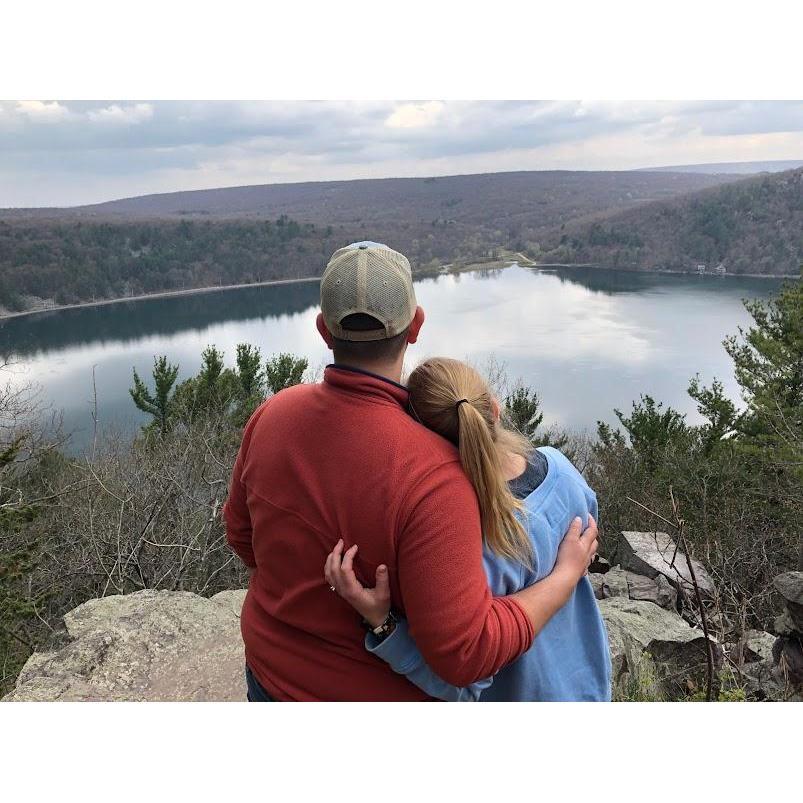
(619, 583)
(787, 654)
(762, 681)
(614, 583)
(757, 645)
(784, 625)
(790, 586)
(636, 626)
(173, 645)
(655, 553)
(597, 583)
(658, 591)
(150, 645)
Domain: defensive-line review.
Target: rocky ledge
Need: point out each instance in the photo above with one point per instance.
(150, 645)
(174, 645)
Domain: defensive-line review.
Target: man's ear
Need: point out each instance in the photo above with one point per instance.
(323, 331)
(415, 325)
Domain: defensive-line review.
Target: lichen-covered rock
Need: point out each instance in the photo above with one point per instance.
(790, 586)
(150, 645)
(172, 645)
(636, 626)
(651, 554)
(614, 583)
(617, 582)
(659, 590)
(757, 646)
(597, 582)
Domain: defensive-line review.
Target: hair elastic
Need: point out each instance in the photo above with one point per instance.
(458, 403)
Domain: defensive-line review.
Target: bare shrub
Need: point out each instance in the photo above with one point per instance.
(144, 514)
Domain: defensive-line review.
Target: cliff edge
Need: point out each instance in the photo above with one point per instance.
(179, 646)
(150, 645)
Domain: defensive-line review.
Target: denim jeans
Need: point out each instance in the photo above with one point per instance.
(256, 694)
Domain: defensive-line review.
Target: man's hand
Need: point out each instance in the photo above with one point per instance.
(373, 604)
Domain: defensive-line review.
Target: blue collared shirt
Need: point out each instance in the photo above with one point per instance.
(569, 659)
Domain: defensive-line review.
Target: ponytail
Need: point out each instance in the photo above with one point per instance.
(501, 528)
(451, 398)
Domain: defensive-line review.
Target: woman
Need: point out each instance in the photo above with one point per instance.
(527, 499)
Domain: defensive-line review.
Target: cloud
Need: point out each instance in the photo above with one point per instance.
(122, 115)
(71, 152)
(415, 115)
(42, 111)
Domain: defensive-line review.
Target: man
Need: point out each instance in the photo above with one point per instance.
(342, 460)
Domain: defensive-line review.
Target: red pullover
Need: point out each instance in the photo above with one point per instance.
(343, 459)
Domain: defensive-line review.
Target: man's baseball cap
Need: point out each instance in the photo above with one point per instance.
(368, 278)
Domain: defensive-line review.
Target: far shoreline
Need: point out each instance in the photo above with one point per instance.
(149, 296)
(429, 273)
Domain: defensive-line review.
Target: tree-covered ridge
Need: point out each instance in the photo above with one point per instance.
(750, 226)
(753, 226)
(77, 261)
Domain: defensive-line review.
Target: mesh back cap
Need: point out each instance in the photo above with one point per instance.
(371, 279)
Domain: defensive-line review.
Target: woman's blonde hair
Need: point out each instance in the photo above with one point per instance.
(452, 399)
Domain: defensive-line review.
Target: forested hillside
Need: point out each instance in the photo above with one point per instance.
(72, 262)
(636, 220)
(248, 234)
(751, 226)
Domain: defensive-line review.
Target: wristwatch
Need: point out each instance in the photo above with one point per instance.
(383, 630)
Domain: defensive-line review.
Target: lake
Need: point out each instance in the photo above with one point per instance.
(586, 339)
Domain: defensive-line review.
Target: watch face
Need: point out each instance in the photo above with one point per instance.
(386, 627)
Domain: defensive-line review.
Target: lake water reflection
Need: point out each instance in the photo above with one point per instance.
(588, 340)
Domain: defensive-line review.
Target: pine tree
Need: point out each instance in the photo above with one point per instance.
(768, 358)
(208, 385)
(249, 371)
(523, 411)
(650, 429)
(718, 409)
(251, 380)
(212, 394)
(284, 371)
(159, 404)
(768, 363)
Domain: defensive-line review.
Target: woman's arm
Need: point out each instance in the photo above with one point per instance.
(400, 653)
(398, 649)
(540, 601)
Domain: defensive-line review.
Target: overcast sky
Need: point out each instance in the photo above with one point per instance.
(61, 153)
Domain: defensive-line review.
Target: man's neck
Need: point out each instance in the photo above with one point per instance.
(391, 371)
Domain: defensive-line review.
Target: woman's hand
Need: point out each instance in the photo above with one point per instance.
(373, 604)
(542, 600)
(578, 548)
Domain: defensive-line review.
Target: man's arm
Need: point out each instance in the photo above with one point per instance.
(235, 511)
(463, 633)
(399, 650)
